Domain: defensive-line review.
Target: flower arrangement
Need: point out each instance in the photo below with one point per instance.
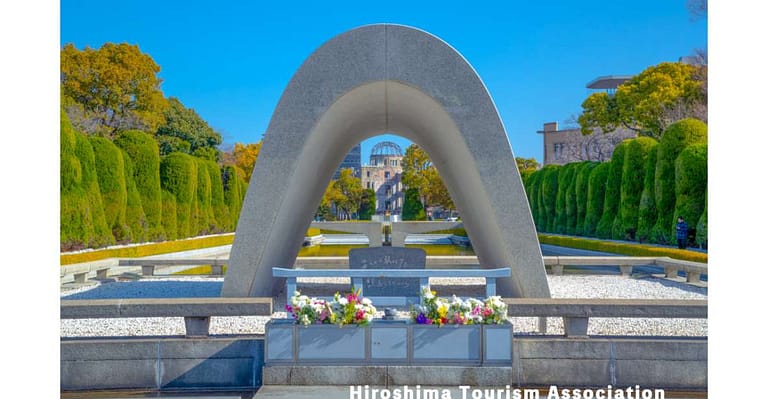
(441, 311)
(351, 308)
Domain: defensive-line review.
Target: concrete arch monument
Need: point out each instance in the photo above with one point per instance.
(369, 81)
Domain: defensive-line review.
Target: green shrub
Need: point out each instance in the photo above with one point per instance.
(532, 187)
(564, 180)
(220, 211)
(134, 211)
(170, 218)
(595, 197)
(110, 172)
(233, 196)
(612, 192)
(582, 195)
(178, 173)
(204, 219)
(412, 208)
(548, 195)
(145, 155)
(571, 202)
(701, 226)
(677, 136)
(691, 184)
(76, 222)
(646, 213)
(632, 178)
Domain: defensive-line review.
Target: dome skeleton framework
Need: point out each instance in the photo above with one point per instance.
(386, 149)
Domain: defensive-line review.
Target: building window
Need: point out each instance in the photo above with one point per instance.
(386, 175)
(367, 173)
(388, 190)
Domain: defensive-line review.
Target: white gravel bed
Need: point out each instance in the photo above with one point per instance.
(568, 286)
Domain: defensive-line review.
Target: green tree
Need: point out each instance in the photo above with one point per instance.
(145, 156)
(649, 102)
(351, 191)
(571, 198)
(204, 217)
(415, 163)
(526, 166)
(367, 204)
(691, 184)
(678, 136)
(412, 208)
(170, 215)
(564, 180)
(112, 89)
(582, 195)
(548, 196)
(178, 173)
(595, 197)
(435, 192)
(532, 187)
(134, 211)
(185, 131)
(646, 213)
(83, 223)
(701, 226)
(110, 171)
(234, 192)
(221, 218)
(612, 192)
(632, 179)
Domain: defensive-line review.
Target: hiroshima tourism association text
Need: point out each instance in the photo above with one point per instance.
(467, 392)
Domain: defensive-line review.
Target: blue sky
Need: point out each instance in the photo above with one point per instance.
(230, 61)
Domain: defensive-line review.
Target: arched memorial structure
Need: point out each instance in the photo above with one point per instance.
(369, 81)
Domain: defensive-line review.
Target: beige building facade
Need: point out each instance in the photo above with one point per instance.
(383, 176)
(569, 145)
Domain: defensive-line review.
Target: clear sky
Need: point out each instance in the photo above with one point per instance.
(230, 61)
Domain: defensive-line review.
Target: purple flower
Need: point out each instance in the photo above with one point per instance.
(421, 319)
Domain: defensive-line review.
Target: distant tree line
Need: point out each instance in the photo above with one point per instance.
(637, 195)
(137, 166)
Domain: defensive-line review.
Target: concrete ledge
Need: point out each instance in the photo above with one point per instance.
(230, 362)
(165, 307)
(586, 307)
(161, 363)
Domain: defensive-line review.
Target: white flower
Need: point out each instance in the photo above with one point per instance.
(343, 301)
(366, 301)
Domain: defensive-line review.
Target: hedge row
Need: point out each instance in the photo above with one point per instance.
(637, 195)
(121, 191)
(624, 249)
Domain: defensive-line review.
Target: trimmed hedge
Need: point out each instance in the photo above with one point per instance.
(701, 226)
(156, 248)
(582, 197)
(595, 197)
(412, 208)
(677, 136)
(628, 249)
(564, 180)
(178, 173)
(612, 192)
(632, 178)
(548, 196)
(646, 213)
(691, 184)
(134, 211)
(170, 212)
(571, 202)
(233, 194)
(145, 154)
(220, 211)
(110, 172)
(532, 187)
(205, 220)
(82, 211)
